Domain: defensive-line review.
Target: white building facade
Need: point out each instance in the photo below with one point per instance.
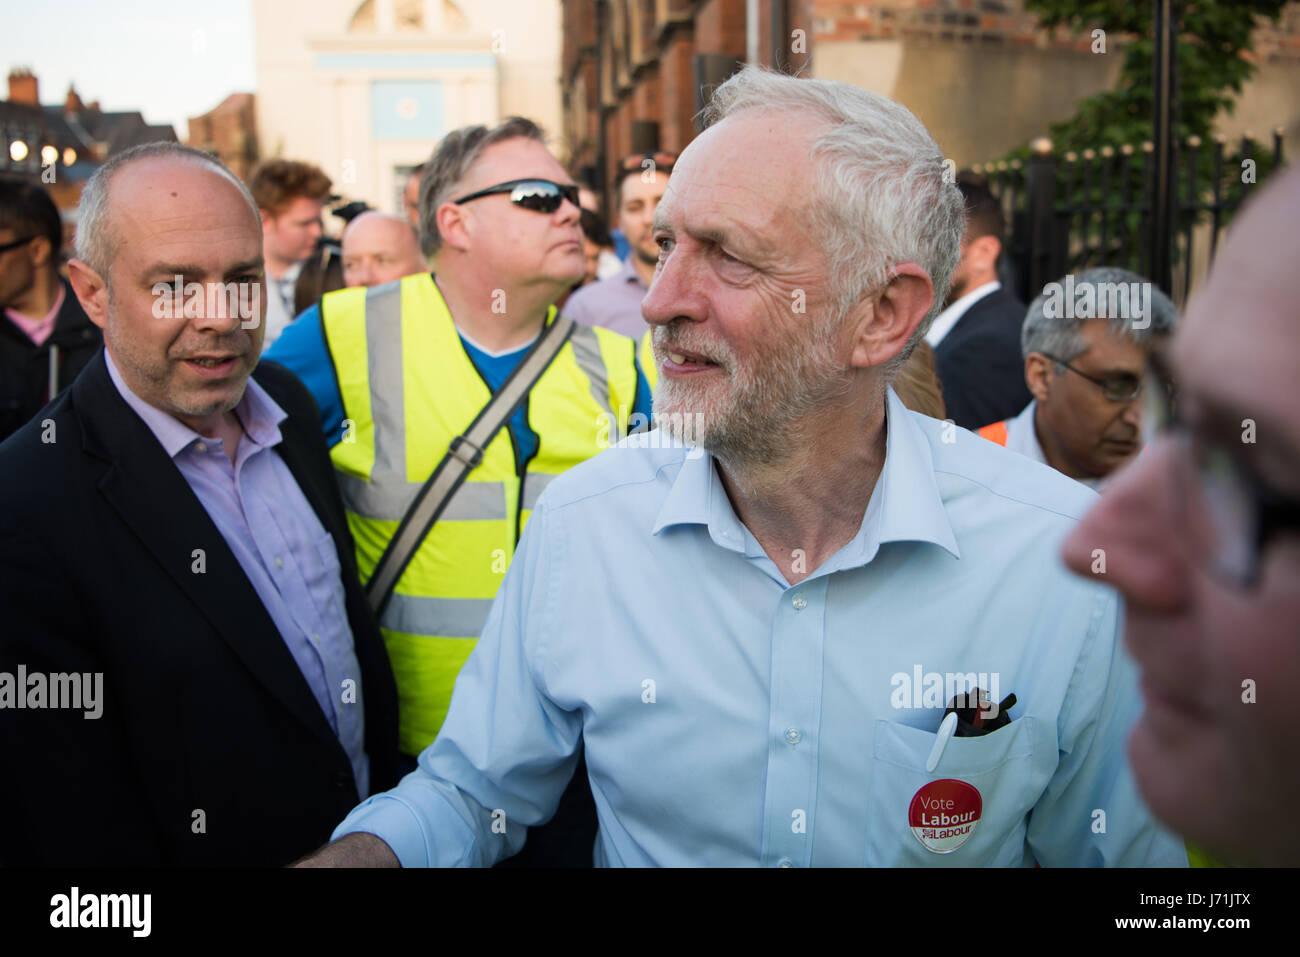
(366, 88)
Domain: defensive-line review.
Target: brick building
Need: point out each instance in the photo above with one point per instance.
(633, 71)
(229, 132)
(983, 75)
(61, 145)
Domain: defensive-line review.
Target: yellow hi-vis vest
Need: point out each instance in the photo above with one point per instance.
(409, 388)
(648, 361)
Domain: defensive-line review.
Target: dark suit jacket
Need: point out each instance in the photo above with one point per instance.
(203, 707)
(979, 363)
(25, 366)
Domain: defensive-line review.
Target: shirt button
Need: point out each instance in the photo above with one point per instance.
(793, 736)
(799, 602)
(315, 636)
(785, 862)
(279, 562)
(202, 447)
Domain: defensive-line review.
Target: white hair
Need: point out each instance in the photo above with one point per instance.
(882, 196)
(95, 243)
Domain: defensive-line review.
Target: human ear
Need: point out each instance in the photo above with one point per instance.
(884, 326)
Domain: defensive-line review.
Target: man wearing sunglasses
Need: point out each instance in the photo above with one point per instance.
(415, 363)
(1202, 537)
(1084, 369)
(45, 337)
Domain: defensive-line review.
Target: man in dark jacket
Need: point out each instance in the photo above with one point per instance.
(45, 337)
(976, 339)
(189, 671)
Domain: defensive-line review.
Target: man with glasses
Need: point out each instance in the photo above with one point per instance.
(1084, 369)
(1202, 537)
(415, 363)
(45, 336)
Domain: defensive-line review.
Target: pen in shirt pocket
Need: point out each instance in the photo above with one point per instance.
(962, 721)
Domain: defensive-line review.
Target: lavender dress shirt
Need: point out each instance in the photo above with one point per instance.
(282, 547)
(614, 303)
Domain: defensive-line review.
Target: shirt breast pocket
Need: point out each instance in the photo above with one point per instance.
(918, 818)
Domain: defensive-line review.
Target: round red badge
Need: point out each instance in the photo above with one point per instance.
(943, 814)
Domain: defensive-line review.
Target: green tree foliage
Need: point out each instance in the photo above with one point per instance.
(1211, 66)
(1099, 149)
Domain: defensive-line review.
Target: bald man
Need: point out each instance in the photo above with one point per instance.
(190, 633)
(378, 248)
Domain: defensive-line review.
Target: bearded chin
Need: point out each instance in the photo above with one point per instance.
(752, 418)
(749, 425)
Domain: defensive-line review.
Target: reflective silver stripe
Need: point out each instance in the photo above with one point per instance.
(473, 501)
(449, 617)
(387, 388)
(534, 484)
(586, 349)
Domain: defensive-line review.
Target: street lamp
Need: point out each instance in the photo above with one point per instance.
(18, 151)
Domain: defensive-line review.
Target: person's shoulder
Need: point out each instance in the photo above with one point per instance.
(639, 470)
(1005, 307)
(286, 390)
(584, 297)
(976, 471)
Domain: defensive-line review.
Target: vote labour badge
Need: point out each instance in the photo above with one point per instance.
(943, 814)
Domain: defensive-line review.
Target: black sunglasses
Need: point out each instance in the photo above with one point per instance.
(539, 195)
(15, 244)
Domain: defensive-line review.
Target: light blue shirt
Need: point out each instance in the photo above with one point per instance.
(282, 547)
(732, 719)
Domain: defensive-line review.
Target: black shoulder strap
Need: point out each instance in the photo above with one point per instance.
(463, 456)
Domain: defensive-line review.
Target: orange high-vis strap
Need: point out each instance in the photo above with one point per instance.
(997, 432)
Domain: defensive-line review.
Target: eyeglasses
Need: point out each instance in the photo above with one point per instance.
(1242, 512)
(1124, 388)
(15, 244)
(539, 195)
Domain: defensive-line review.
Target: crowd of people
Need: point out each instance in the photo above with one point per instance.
(767, 528)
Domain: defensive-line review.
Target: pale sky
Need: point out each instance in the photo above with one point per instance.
(169, 59)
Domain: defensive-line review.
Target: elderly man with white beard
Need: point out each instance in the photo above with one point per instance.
(731, 635)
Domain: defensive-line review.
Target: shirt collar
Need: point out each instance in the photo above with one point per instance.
(30, 324)
(905, 504)
(944, 322)
(259, 415)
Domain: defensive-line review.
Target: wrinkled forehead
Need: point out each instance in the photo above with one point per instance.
(755, 166)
